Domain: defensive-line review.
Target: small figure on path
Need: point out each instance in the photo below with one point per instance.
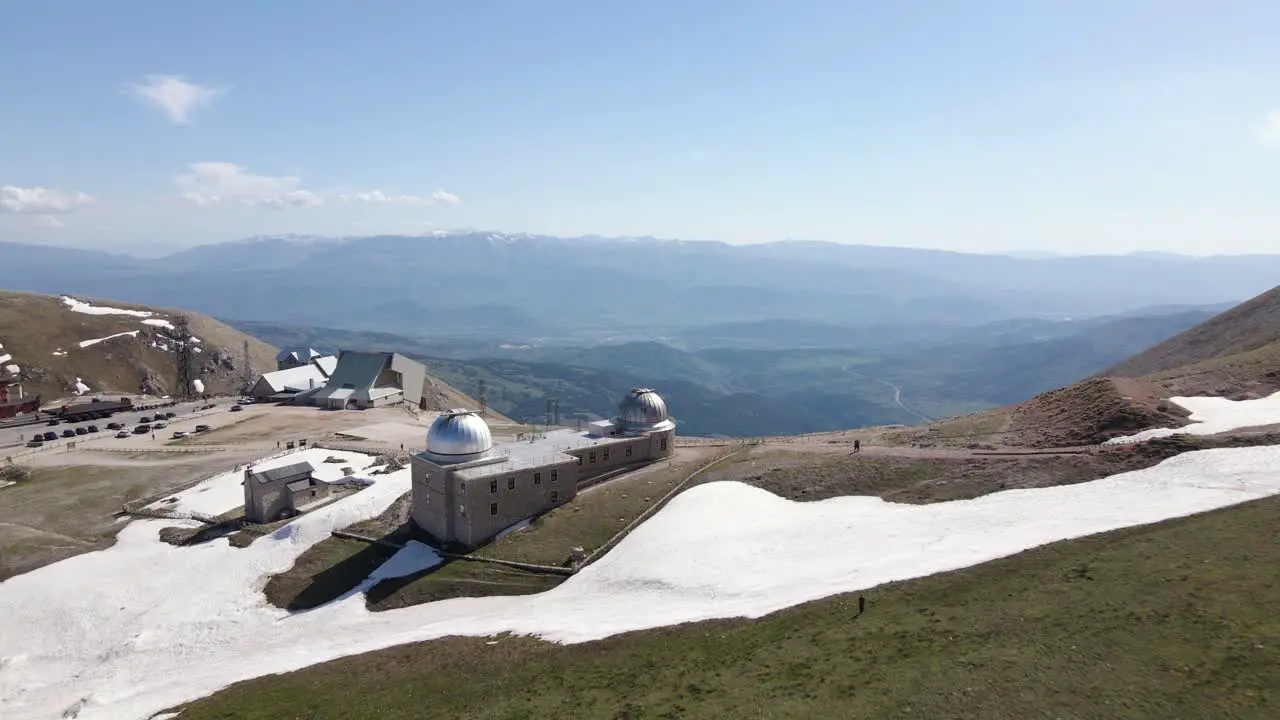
(857, 446)
(862, 604)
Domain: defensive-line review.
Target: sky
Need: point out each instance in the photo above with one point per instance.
(1074, 126)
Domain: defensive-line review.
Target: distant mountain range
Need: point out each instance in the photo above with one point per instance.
(589, 290)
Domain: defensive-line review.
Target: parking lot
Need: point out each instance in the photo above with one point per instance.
(15, 438)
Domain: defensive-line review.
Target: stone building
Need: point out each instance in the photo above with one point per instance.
(278, 492)
(466, 489)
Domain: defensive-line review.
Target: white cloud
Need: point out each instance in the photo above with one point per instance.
(377, 196)
(174, 96)
(40, 201)
(48, 221)
(1270, 130)
(221, 183)
(214, 183)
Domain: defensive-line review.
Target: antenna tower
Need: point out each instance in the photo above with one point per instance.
(246, 372)
(186, 366)
(484, 401)
(550, 403)
(555, 411)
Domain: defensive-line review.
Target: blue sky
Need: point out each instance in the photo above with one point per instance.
(1082, 126)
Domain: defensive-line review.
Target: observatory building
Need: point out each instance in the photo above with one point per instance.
(466, 489)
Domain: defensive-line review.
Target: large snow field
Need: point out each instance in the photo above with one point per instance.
(225, 492)
(1212, 415)
(143, 625)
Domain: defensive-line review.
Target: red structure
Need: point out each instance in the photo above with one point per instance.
(13, 407)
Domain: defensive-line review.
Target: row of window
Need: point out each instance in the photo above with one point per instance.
(554, 496)
(511, 481)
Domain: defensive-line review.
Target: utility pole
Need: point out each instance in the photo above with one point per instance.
(480, 396)
(555, 410)
(246, 372)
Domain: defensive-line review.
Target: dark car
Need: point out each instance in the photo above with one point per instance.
(114, 426)
(81, 431)
(35, 442)
(68, 433)
(92, 428)
(142, 430)
(122, 434)
(54, 421)
(203, 428)
(49, 436)
(171, 415)
(144, 419)
(236, 408)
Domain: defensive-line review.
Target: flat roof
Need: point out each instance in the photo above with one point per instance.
(547, 449)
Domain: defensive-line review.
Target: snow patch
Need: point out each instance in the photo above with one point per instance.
(81, 388)
(95, 341)
(143, 626)
(1212, 415)
(198, 384)
(412, 558)
(59, 352)
(5, 358)
(158, 323)
(13, 369)
(88, 309)
(225, 492)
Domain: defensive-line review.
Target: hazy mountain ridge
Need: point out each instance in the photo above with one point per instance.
(521, 286)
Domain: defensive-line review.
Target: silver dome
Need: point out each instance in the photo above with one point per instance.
(458, 433)
(642, 407)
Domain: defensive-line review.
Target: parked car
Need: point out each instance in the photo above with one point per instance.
(236, 408)
(142, 429)
(92, 428)
(145, 419)
(69, 433)
(122, 434)
(171, 415)
(158, 426)
(114, 426)
(179, 434)
(50, 436)
(81, 431)
(203, 428)
(53, 422)
(35, 442)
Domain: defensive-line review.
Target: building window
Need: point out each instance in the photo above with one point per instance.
(511, 483)
(663, 445)
(537, 478)
(591, 457)
(628, 451)
(604, 455)
(493, 508)
(555, 475)
(555, 496)
(493, 486)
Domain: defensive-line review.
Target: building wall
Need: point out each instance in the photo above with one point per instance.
(413, 375)
(434, 505)
(294, 499)
(263, 502)
(492, 504)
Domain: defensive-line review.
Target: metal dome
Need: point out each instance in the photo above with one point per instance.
(642, 406)
(459, 433)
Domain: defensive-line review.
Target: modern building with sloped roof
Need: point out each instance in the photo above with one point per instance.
(294, 382)
(295, 357)
(363, 380)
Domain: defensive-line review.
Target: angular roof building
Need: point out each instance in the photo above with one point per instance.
(293, 382)
(371, 379)
(293, 357)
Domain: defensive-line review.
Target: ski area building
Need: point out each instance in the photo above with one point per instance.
(466, 489)
(291, 382)
(278, 492)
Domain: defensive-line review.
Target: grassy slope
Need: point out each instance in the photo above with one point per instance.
(33, 326)
(1171, 620)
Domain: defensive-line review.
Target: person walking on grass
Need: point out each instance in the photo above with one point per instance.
(857, 446)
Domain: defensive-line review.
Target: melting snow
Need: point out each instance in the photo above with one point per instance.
(13, 369)
(198, 384)
(81, 388)
(413, 557)
(158, 323)
(5, 358)
(1212, 415)
(87, 309)
(59, 353)
(95, 341)
(225, 492)
(144, 625)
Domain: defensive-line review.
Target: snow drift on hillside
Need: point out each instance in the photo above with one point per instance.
(1212, 415)
(95, 341)
(83, 307)
(143, 625)
(80, 387)
(197, 385)
(158, 323)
